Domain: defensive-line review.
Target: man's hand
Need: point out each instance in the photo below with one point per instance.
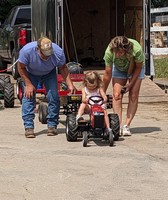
(72, 89)
(29, 91)
(66, 76)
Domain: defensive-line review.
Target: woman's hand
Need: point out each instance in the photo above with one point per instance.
(126, 88)
(105, 100)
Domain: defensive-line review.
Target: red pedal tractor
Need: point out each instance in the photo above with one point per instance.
(94, 127)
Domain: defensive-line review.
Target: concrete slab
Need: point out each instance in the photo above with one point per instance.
(54, 169)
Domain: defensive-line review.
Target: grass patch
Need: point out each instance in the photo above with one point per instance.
(161, 67)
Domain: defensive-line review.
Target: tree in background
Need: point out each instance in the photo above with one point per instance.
(6, 5)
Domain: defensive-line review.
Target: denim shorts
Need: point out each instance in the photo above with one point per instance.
(123, 75)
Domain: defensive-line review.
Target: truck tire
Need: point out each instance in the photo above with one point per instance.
(114, 125)
(9, 97)
(15, 72)
(71, 133)
(4, 79)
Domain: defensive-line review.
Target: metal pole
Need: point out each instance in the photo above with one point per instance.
(116, 18)
(146, 34)
(62, 23)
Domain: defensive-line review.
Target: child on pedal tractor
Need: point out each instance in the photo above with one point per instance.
(93, 87)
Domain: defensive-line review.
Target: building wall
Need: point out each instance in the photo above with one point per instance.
(90, 21)
(94, 24)
(134, 19)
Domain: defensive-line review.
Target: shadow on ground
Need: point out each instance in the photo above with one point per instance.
(141, 130)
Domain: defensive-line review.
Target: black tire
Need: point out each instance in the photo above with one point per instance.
(75, 68)
(15, 72)
(71, 132)
(114, 125)
(43, 112)
(19, 89)
(85, 138)
(9, 97)
(111, 139)
(4, 79)
(39, 113)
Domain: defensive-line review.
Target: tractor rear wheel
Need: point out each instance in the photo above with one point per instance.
(114, 125)
(71, 132)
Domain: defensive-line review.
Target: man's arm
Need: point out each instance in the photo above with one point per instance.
(66, 76)
(30, 89)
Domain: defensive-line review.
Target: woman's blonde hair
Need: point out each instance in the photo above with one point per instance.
(121, 42)
(92, 78)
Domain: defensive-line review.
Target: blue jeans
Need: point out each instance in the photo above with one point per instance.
(123, 75)
(28, 105)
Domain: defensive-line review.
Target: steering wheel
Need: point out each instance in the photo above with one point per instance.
(95, 100)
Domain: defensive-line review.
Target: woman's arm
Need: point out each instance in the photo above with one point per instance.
(136, 72)
(107, 77)
(102, 93)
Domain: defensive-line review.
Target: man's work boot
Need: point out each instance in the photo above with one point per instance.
(52, 131)
(29, 133)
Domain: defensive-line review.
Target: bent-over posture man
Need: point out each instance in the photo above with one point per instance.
(37, 63)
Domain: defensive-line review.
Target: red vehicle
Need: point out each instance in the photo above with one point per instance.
(94, 127)
(76, 74)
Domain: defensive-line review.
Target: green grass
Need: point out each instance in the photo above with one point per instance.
(161, 67)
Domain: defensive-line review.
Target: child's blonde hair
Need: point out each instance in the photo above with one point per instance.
(92, 78)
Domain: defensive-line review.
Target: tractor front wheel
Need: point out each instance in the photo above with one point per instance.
(85, 138)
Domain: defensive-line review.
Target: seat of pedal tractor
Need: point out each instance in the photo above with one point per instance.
(83, 122)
